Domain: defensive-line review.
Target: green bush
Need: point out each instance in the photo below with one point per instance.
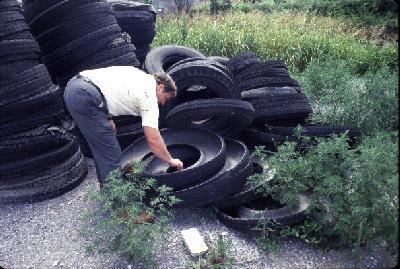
(118, 225)
(245, 7)
(217, 6)
(373, 12)
(339, 96)
(354, 192)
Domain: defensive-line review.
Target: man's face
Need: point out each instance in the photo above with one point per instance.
(162, 96)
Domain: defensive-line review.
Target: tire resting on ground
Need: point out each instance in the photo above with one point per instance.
(285, 216)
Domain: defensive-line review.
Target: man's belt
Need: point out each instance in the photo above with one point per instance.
(98, 89)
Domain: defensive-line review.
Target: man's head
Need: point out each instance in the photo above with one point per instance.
(165, 88)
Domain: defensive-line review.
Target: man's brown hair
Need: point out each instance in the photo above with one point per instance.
(167, 81)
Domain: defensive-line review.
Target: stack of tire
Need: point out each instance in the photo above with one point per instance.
(207, 96)
(37, 159)
(279, 103)
(76, 35)
(214, 167)
(138, 20)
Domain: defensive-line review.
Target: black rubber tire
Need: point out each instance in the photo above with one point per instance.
(15, 58)
(242, 61)
(31, 104)
(40, 161)
(273, 72)
(8, 4)
(77, 49)
(65, 11)
(14, 26)
(205, 62)
(143, 38)
(66, 33)
(17, 46)
(285, 216)
(216, 83)
(23, 77)
(225, 116)
(128, 17)
(120, 5)
(209, 146)
(246, 193)
(29, 143)
(228, 180)
(22, 91)
(259, 82)
(54, 115)
(47, 185)
(12, 68)
(24, 34)
(159, 59)
(128, 134)
(271, 103)
(219, 59)
(257, 136)
(34, 8)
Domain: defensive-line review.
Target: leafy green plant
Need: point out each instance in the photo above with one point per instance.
(131, 212)
(217, 6)
(339, 96)
(354, 197)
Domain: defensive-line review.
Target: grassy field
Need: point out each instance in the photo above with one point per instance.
(295, 37)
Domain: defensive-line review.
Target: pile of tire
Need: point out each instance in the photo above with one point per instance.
(77, 35)
(279, 104)
(38, 160)
(214, 167)
(207, 96)
(138, 20)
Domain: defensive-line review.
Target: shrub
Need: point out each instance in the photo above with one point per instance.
(340, 96)
(217, 6)
(120, 222)
(354, 192)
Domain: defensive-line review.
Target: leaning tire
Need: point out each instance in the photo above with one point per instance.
(158, 60)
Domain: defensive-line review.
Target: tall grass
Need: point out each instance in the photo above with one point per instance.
(296, 38)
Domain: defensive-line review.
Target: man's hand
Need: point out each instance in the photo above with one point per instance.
(157, 146)
(113, 126)
(176, 163)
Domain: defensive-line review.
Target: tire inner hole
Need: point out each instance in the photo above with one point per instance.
(188, 154)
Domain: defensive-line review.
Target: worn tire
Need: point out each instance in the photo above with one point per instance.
(223, 116)
(205, 150)
(159, 59)
(228, 180)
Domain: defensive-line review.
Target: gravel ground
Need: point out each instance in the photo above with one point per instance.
(45, 235)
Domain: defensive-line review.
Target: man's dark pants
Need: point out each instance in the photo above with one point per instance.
(85, 104)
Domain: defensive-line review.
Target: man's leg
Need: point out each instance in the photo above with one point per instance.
(82, 101)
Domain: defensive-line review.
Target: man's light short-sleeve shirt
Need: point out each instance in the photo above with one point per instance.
(128, 91)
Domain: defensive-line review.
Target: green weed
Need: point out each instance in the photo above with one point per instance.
(131, 213)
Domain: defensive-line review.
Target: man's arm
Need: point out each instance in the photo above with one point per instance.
(157, 146)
